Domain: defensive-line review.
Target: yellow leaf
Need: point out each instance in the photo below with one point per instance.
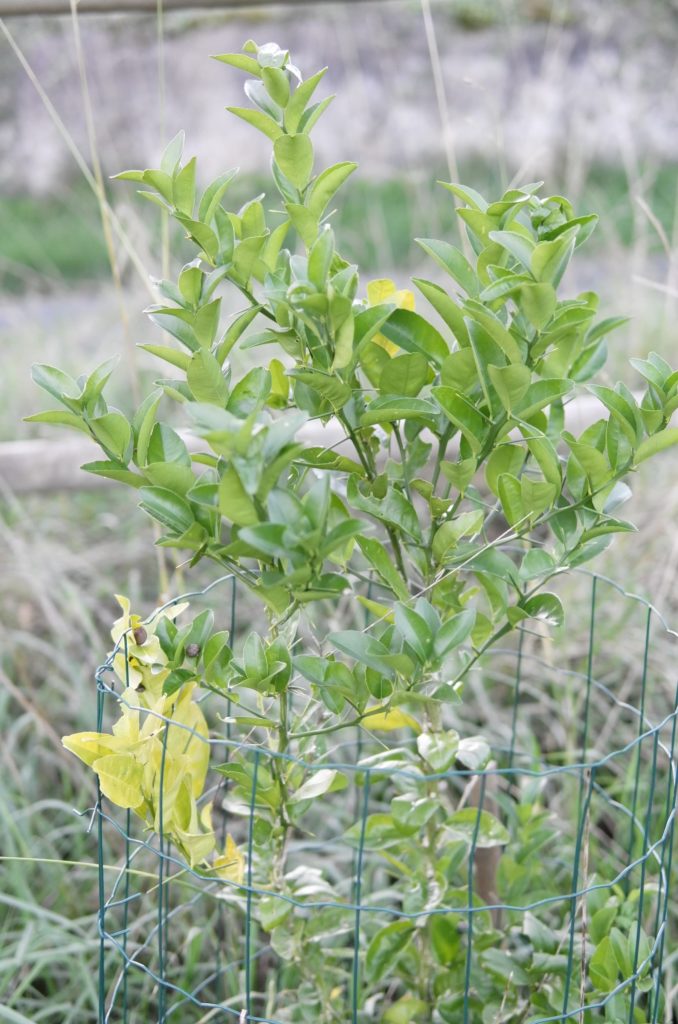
(178, 805)
(380, 290)
(120, 778)
(126, 729)
(230, 865)
(195, 846)
(148, 652)
(388, 720)
(384, 290)
(191, 741)
(89, 746)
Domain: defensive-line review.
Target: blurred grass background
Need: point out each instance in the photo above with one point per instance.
(578, 92)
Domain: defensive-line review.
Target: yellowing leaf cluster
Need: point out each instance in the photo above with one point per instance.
(155, 760)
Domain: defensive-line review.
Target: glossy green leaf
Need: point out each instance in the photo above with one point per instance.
(511, 383)
(658, 442)
(326, 185)
(463, 415)
(169, 509)
(454, 632)
(379, 558)
(294, 155)
(414, 631)
(453, 261)
(410, 332)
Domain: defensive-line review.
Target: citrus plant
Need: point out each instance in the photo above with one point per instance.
(449, 496)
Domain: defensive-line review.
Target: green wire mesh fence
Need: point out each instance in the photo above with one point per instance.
(544, 896)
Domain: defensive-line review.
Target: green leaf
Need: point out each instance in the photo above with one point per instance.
(454, 632)
(386, 948)
(549, 259)
(311, 116)
(272, 912)
(114, 433)
(506, 458)
(405, 375)
(379, 558)
(262, 122)
(56, 383)
(184, 188)
(171, 157)
(445, 941)
(446, 307)
(393, 508)
(407, 1010)
(171, 355)
(538, 302)
(410, 332)
(114, 471)
(592, 462)
(537, 563)
(304, 221)
(473, 753)
(203, 236)
(320, 258)
(537, 496)
(540, 394)
(388, 409)
(467, 195)
(438, 749)
(325, 458)
(241, 61)
(299, 100)
(656, 443)
(329, 387)
(601, 922)
(460, 474)
(326, 185)
(450, 533)
(463, 415)
(59, 419)
(496, 330)
(414, 631)
(167, 508)
(413, 810)
(546, 607)
(326, 780)
(453, 261)
(213, 195)
(367, 650)
(510, 495)
(277, 85)
(250, 393)
(603, 966)
(206, 380)
(624, 410)
(519, 246)
(511, 383)
(254, 657)
(480, 828)
(234, 501)
(294, 156)
(165, 445)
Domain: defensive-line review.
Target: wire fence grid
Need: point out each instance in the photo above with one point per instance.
(179, 945)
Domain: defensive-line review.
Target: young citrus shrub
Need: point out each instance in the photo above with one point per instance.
(455, 495)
